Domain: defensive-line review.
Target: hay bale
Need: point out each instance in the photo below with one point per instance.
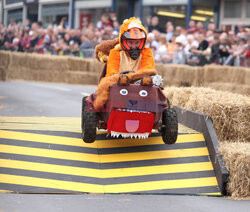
(230, 112)
(176, 74)
(237, 159)
(226, 74)
(2, 74)
(95, 66)
(231, 87)
(4, 59)
(78, 64)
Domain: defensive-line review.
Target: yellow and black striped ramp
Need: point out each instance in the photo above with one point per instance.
(47, 155)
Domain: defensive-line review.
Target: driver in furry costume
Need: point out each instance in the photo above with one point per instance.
(130, 54)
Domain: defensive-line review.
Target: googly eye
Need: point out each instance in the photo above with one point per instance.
(143, 93)
(124, 92)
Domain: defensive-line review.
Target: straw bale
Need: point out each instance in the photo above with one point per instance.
(95, 66)
(41, 62)
(216, 73)
(2, 74)
(78, 64)
(230, 112)
(18, 59)
(84, 78)
(180, 75)
(247, 77)
(4, 59)
(237, 160)
(231, 87)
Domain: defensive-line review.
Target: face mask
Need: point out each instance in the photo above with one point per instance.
(134, 53)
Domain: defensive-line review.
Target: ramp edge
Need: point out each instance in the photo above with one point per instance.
(204, 124)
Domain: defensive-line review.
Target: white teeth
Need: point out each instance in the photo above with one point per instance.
(128, 110)
(129, 135)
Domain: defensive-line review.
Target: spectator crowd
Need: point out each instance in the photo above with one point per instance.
(195, 46)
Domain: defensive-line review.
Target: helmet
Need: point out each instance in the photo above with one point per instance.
(134, 34)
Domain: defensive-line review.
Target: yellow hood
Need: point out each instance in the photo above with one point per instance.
(131, 23)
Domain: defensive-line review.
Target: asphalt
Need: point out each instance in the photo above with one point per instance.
(107, 203)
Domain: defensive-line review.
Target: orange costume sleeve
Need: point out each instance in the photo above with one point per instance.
(113, 62)
(147, 60)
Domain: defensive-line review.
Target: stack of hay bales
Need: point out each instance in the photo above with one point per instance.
(49, 68)
(231, 117)
(4, 63)
(83, 71)
(180, 75)
(226, 78)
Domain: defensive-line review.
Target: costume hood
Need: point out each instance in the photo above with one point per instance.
(129, 24)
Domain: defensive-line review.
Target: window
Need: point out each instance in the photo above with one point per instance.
(232, 8)
(248, 8)
(12, 1)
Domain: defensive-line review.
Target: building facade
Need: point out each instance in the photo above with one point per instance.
(235, 12)
(80, 13)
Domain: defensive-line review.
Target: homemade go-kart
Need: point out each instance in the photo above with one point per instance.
(132, 111)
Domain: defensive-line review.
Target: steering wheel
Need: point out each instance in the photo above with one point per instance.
(126, 72)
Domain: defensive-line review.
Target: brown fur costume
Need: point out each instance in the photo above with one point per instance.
(102, 50)
(103, 88)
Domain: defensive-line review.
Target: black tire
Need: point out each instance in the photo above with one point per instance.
(88, 123)
(169, 130)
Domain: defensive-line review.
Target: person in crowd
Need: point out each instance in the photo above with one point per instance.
(181, 34)
(223, 29)
(200, 28)
(40, 45)
(148, 23)
(155, 24)
(1, 41)
(104, 22)
(161, 55)
(203, 45)
(247, 52)
(152, 43)
(215, 51)
(86, 47)
(172, 47)
(116, 26)
(170, 32)
(208, 51)
(179, 57)
(27, 25)
(193, 59)
(190, 42)
(192, 27)
(237, 53)
(112, 17)
(224, 50)
(211, 27)
(8, 39)
(25, 42)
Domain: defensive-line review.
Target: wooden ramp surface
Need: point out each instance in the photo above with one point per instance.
(47, 155)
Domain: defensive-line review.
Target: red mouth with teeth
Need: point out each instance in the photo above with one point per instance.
(130, 122)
